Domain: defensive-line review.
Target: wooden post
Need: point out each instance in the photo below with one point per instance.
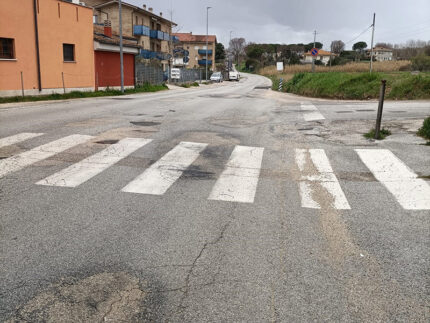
(22, 84)
(64, 87)
(380, 107)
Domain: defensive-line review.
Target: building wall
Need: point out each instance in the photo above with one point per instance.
(107, 67)
(17, 22)
(59, 22)
(384, 56)
(193, 48)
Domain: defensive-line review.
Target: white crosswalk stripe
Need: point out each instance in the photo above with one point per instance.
(7, 141)
(325, 177)
(238, 182)
(411, 192)
(157, 179)
(84, 170)
(15, 163)
(311, 113)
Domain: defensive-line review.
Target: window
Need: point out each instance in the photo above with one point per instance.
(69, 52)
(7, 50)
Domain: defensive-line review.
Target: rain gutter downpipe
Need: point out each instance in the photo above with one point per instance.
(36, 28)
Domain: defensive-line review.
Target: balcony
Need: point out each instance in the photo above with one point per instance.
(148, 54)
(203, 62)
(156, 34)
(203, 51)
(139, 30)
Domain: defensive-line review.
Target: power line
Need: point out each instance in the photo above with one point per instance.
(355, 38)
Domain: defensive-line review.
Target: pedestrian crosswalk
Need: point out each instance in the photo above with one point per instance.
(311, 112)
(237, 182)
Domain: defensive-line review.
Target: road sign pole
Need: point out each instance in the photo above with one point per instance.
(380, 107)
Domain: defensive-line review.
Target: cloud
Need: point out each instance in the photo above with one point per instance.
(292, 21)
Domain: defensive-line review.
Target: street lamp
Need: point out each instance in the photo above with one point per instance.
(207, 35)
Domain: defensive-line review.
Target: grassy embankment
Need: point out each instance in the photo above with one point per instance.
(352, 81)
(78, 95)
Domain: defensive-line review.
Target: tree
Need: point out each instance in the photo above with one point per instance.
(237, 48)
(309, 46)
(255, 51)
(359, 46)
(219, 51)
(337, 46)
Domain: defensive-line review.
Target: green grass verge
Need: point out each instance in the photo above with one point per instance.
(383, 133)
(77, 94)
(424, 131)
(358, 86)
(188, 85)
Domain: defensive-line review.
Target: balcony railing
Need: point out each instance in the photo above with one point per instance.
(149, 54)
(203, 51)
(140, 30)
(157, 34)
(203, 62)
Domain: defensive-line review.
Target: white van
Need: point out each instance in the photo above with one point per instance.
(233, 76)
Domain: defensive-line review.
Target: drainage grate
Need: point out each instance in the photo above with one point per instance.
(107, 142)
(268, 87)
(344, 111)
(365, 110)
(145, 123)
(122, 98)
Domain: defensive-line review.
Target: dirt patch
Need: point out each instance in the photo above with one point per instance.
(93, 122)
(210, 138)
(104, 297)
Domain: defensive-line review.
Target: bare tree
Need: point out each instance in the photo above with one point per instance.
(237, 48)
(337, 46)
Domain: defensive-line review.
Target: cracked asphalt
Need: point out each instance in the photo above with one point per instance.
(95, 253)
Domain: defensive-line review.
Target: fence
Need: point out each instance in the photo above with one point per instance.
(146, 73)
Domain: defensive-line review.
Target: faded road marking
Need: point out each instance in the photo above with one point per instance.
(325, 177)
(311, 113)
(7, 141)
(15, 163)
(157, 179)
(84, 170)
(411, 192)
(238, 182)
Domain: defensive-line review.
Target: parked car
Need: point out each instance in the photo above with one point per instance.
(233, 76)
(217, 77)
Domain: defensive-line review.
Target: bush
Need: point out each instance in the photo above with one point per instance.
(421, 63)
(383, 133)
(424, 131)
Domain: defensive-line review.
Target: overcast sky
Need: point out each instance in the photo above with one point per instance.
(293, 21)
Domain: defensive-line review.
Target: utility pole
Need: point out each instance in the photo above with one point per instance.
(171, 60)
(229, 54)
(313, 57)
(121, 56)
(207, 35)
(371, 46)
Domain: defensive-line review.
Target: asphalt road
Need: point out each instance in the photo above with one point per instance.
(243, 205)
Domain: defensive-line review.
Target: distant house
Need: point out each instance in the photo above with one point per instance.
(322, 56)
(107, 58)
(381, 54)
(195, 47)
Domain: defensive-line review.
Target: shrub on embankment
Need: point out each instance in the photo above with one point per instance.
(358, 86)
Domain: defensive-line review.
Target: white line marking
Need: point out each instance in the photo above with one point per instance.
(325, 177)
(7, 141)
(15, 163)
(238, 182)
(411, 192)
(84, 170)
(157, 179)
(311, 112)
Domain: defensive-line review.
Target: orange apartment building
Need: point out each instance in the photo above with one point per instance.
(42, 43)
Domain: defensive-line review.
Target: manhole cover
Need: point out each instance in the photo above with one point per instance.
(107, 142)
(145, 123)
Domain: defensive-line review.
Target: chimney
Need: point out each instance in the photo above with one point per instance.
(144, 6)
(161, 14)
(108, 28)
(150, 9)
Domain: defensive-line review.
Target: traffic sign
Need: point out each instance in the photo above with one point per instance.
(314, 51)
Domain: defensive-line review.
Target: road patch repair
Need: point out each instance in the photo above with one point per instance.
(103, 297)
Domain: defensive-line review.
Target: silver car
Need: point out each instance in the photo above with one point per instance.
(217, 77)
